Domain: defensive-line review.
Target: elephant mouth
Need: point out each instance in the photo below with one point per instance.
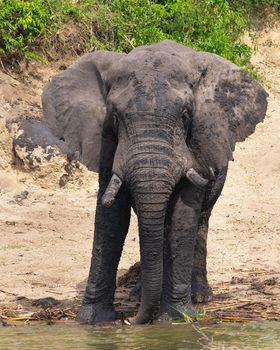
(115, 184)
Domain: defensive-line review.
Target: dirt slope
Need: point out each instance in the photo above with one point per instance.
(46, 231)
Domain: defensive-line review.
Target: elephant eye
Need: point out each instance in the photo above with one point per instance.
(115, 123)
(187, 121)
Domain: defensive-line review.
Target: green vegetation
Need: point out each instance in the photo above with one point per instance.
(258, 13)
(28, 27)
(20, 24)
(209, 25)
(255, 7)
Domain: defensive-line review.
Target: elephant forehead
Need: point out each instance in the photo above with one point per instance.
(151, 66)
(152, 82)
(158, 96)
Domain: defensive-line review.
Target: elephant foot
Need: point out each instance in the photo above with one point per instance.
(176, 311)
(96, 313)
(201, 290)
(139, 320)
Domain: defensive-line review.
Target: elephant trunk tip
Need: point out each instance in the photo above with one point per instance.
(111, 192)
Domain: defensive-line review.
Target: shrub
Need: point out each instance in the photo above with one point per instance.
(258, 12)
(211, 25)
(255, 5)
(21, 23)
(138, 23)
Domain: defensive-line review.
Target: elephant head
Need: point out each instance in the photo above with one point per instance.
(147, 119)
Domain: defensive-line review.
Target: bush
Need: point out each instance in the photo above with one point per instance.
(254, 6)
(258, 12)
(21, 23)
(210, 25)
(138, 23)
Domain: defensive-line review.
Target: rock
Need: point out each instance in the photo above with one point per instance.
(47, 159)
(35, 144)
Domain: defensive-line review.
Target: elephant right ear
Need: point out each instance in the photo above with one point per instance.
(229, 105)
(74, 105)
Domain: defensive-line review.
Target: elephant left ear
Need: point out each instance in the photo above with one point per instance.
(229, 105)
(74, 105)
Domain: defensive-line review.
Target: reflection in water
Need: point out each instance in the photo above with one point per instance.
(264, 335)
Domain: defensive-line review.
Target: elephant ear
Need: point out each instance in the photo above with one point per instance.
(229, 105)
(74, 105)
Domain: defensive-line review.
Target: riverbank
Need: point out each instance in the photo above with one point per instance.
(46, 228)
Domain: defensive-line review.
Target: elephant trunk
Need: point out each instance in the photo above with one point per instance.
(151, 230)
(151, 186)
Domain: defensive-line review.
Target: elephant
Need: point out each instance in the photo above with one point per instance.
(159, 125)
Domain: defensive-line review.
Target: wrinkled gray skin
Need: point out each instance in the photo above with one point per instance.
(148, 117)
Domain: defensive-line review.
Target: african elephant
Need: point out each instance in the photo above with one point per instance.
(159, 125)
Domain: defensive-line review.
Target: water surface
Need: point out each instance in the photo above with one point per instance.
(228, 336)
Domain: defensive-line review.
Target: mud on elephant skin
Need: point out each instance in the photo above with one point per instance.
(159, 125)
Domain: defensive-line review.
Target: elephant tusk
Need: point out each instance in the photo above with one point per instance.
(195, 178)
(111, 192)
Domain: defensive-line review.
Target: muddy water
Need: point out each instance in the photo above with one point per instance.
(253, 336)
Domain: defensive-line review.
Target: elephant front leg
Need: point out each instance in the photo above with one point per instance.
(201, 290)
(111, 226)
(181, 229)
